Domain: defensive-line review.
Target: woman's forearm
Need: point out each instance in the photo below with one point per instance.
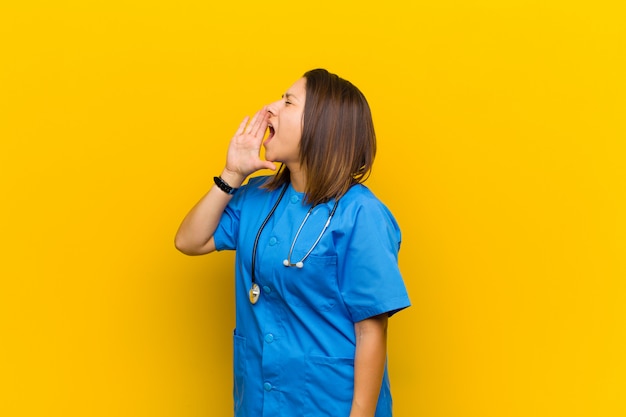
(195, 234)
(369, 364)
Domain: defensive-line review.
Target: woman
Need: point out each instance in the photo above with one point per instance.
(316, 265)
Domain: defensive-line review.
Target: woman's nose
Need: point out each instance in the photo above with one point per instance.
(273, 108)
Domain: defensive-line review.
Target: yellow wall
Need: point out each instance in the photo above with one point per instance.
(501, 130)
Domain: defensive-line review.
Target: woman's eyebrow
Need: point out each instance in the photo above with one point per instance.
(289, 96)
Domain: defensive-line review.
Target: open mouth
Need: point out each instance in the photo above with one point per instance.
(270, 134)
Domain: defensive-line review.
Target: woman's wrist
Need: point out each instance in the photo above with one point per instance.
(233, 179)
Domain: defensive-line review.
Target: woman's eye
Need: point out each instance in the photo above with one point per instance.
(287, 103)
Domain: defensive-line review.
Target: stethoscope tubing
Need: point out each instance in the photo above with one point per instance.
(258, 234)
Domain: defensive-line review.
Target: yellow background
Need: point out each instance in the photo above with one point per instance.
(501, 129)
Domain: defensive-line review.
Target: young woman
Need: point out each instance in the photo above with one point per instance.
(317, 255)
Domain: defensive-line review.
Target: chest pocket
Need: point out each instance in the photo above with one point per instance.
(315, 285)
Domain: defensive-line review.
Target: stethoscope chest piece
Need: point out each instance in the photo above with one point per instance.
(254, 293)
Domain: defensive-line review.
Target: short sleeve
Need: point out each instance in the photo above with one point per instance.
(370, 279)
(227, 230)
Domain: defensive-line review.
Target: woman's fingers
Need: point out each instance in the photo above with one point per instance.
(244, 149)
(242, 126)
(262, 127)
(258, 122)
(252, 123)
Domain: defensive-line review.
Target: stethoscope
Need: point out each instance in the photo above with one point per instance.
(255, 290)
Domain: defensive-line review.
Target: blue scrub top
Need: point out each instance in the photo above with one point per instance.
(294, 349)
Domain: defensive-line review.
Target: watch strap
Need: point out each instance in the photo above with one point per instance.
(222, 185)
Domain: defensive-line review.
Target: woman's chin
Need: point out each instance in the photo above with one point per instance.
(269, 156)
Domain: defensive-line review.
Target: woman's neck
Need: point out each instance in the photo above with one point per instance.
(297, 178)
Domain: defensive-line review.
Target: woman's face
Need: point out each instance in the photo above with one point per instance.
(285, 126)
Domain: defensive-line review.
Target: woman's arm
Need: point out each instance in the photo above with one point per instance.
(195, 234)
(369, 364)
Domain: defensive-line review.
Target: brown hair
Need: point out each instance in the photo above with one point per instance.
(338, 142)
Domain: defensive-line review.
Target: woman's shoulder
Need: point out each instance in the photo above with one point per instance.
(254, 186)
(360, 198)
(361, 195)
(257, 182)
(252, 190)
(363, 210)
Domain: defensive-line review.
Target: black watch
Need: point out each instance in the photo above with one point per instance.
(221, 184)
